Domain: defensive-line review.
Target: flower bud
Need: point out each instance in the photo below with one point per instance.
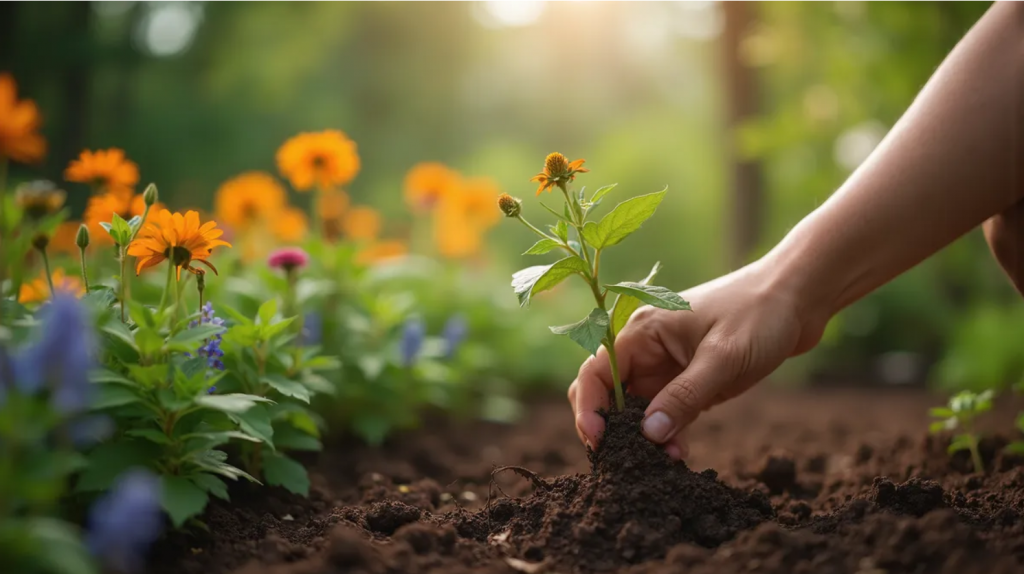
(151, 195)
(82, 239)
(41, 241)
(200, 280)
(509, 205)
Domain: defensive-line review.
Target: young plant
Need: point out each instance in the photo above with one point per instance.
(583, 241)
(963, 409)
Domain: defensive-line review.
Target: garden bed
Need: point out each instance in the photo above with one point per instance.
(812, 481)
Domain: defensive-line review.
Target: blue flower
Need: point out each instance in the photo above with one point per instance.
(210, 347)
(312, 330)
(62, 358)
(123, 523)
(412, 340)
(6, 374)
(454, 333)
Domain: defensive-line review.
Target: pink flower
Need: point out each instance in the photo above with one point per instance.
(288, 258)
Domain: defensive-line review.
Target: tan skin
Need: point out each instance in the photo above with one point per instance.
(954, 161)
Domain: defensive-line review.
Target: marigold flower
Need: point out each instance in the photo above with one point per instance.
(288, 258)
(427, 184)
(464, 216)
(476, 201)
(361, 224)
(177, 238)
(106, 170)
(381, 251)
(37, 199)
(252, 198)
(456, 239)
(291, 225)
(38, 289)
(326, 158)
(558, 171)
(19, 125)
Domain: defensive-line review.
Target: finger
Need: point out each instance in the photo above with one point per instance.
(681, 401)
(572, 405)
(678, 447)
(593, 385)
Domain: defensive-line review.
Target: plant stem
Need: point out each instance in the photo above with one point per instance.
(123, 257)
(49, 276)
(167, 286)
(3, 227)
(979, 466)
(85, 274)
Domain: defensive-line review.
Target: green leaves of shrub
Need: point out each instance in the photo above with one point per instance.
(625, 304)
(652, 295)
(588, 333)
(532, 280)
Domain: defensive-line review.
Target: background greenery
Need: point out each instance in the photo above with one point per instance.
(198, 92)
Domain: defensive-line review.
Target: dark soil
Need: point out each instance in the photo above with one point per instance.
(812, 482)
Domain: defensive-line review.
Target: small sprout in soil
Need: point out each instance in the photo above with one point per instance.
(581, 241)
(963, 408)
(1017, 446)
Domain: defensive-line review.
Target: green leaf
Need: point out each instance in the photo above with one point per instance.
(231, 403)
(543, 246)
(937, 427)
(209, 440)
(213, 461)
(1016, 447)
(532, 280)
(287, 387)
(626, 305)
(119, 230)
(113, 395)
(561, 230)
(188, 339)
(109, 460)
(182, 499)
(151, 435)
(256, 422)
(150, 375)
(119, 331)
(626, 218)
(279, 470)
(589, 332)
(941, 412)
(211, 484)
(287, 437)
(267, 311)
(960, 442)
(652, 295)
(149, 341)
(107, 376)
(63, 552)
(601, 192)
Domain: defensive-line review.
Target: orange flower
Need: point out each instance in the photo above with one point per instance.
(331, 204)
(38, 290)
(252, 198)
(454, 238)
(19, 125)
(361, 223)
(177, 238)
(63, 240)
(381, 251)
(477, 199)
(463, 217)
(101, 208)
(291, 226)
(558, 171)
(428, 183)
(326, 158)
(106, 170)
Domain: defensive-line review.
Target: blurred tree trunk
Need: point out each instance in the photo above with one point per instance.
(745, 217)
(75, 84)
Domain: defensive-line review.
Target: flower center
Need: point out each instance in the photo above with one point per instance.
(178, 255)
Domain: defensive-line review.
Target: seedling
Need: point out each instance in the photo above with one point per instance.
(583, 241)
(963, 409)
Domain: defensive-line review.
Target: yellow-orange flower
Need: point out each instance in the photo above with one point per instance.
(101, 208)
(328, 159)
(38, 290)
(291, 225)
(63, 240)
(454, 238)
(381, 251)
(252, 198)
(107, 170)
(37, 199)
(332, 204)
(558, 171)
(427, 184)
(361, 223)
(463, 217)
(177, 238)
(19, 125)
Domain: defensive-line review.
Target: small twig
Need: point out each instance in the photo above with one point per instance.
(523, 472)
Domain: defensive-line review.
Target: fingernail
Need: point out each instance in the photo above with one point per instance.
(589, 446)
(657, 427)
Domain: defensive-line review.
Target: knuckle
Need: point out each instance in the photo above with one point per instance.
(683, 396)
(571, 394)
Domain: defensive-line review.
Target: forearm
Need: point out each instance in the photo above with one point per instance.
(953, 160)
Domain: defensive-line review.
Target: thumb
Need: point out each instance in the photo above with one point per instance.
(712, 369)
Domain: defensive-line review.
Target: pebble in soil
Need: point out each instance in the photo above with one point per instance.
(635, 505)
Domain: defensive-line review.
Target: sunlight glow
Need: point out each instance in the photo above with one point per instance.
(508, 13)
(168, 28)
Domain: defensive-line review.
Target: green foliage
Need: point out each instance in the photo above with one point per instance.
(589, 333)
(626, 218)
(959, 415)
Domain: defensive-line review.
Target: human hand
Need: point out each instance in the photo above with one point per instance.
(1005, 236)
(743, 326)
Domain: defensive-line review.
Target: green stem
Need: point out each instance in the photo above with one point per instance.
(3, 225)
(546, 236)
(85, 274)
(49, 276)
(620, 398)
(123, 257)
(314, 210)
(979, 466)
(167, 286)
(177, 300)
